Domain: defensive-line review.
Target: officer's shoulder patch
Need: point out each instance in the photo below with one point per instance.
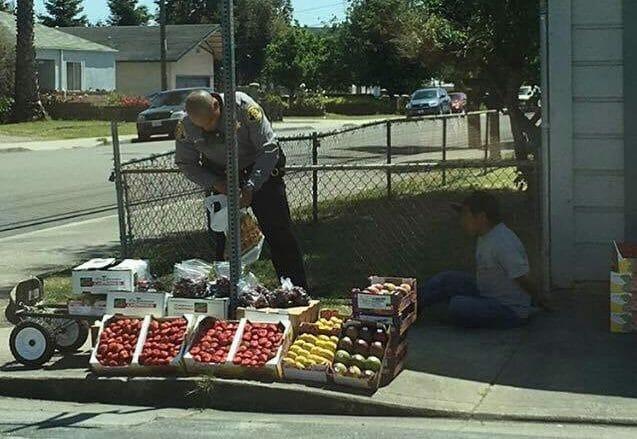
(180, 131)
(255, 114)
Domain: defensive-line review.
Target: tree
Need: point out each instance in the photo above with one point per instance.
(336, 70)
(7, 6)
(192, 11)
(294, 57)
(27, 104)
(127, 13)
(372, 35)
(7, 64)
(489, 46)
(63, 13)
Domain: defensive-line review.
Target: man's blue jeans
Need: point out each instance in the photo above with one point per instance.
(467, 308)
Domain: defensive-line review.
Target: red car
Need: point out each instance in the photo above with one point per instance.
(458, 102)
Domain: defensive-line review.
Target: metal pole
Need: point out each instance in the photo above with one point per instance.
(233, 240)
(389, 154)
(163, 47)
(486, 140)
(121, 214)
(544, 166)
(315, 146)
(444, 150)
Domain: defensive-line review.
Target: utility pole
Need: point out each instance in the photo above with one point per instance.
(163, 47)
(232, 157)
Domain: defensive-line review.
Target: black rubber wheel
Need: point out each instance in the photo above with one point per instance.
(71, 338)
(31, 344)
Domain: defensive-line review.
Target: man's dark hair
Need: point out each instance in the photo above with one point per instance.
(484, 202)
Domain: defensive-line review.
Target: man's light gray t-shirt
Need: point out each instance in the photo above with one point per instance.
(501, 258)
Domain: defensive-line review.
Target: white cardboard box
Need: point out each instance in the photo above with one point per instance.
(218, 308)
(99, 368)
(101, 276)
(79, 308)
(136, 304)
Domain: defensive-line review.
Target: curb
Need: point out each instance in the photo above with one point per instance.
(234, 395)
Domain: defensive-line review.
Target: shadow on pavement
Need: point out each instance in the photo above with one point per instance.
(569, 350)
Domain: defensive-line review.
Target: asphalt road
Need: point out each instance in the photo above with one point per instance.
(23, 418)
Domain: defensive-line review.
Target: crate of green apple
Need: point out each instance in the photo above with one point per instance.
(358, 362)
(385, 296)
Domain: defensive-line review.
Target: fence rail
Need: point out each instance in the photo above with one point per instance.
(386, 212)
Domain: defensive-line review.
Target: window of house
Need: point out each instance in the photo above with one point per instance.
(73, 76)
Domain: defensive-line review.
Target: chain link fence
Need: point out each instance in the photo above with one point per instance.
(363, 201)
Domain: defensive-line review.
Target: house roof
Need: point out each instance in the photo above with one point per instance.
(141, 43)
(50, 38)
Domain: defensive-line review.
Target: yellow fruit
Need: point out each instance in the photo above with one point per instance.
(323, 321)
(307, 346)
(309, 338)
(305, 361)
(296, 348)
(334, 339)
(289, 362)
(324, 337)
(300, 365)
(329, 345)
(315, 350)
(292, 354)
(335, 319)
(326, 354)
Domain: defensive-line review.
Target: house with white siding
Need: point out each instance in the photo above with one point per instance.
(592, 135)
(66, 62)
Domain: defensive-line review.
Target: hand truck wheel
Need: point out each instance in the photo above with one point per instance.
(31, 344)
(71, 336)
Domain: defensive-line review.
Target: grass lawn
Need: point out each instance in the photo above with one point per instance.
(64, 129)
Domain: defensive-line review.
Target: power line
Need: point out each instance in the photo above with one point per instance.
(296, 11)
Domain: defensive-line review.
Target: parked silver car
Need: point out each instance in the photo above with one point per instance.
(166, 109)
(429, 101)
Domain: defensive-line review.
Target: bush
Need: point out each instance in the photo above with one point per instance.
(307, 105)
(357, 105)
(274, 106)
(134, 101)
(5, 108)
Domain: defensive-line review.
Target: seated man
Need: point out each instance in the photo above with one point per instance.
(500, 297)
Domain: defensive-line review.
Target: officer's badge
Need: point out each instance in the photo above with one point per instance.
(254, 113)
(180, 131)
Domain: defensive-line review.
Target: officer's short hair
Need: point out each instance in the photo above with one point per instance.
(200, 103)
(484, 202)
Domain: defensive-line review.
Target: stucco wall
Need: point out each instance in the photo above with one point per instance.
(138, 78)
(197, 62)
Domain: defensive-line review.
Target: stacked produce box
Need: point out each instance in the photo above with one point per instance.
(390, 301)
(623, 288)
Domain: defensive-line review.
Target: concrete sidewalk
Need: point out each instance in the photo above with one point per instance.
(564, 367)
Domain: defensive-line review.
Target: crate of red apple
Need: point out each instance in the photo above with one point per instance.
(258, 354)
(210, 345)
(163, 342)
(117, 346)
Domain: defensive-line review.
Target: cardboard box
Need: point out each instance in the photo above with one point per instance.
(623, 322)
(622, 283)
(192, 366)
(295, 316)
(101, 276)
(273, 368)
(624, 257)
(176, 365)
(399, 324)
(99, 368)
(137, 304)
(623, 302)
(218, 308)
(387, 304)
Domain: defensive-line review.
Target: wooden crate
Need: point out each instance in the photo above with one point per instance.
(295, 316)
(388, 304)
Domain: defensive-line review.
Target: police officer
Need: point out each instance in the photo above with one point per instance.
(201, 156)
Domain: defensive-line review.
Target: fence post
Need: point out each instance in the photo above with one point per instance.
(315, 146)
(444, 150)
(389, 154)
(121, 213)
(486, 140)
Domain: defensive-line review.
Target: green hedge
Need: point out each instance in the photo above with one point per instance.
(360, 105)
(307, 105)
(5, 108)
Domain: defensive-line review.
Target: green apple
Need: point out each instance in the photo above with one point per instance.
(342, 356)
(340, 368)
(355, 371)
(357, 360)
(373, 363)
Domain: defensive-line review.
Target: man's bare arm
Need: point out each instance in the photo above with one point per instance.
(529, 285)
